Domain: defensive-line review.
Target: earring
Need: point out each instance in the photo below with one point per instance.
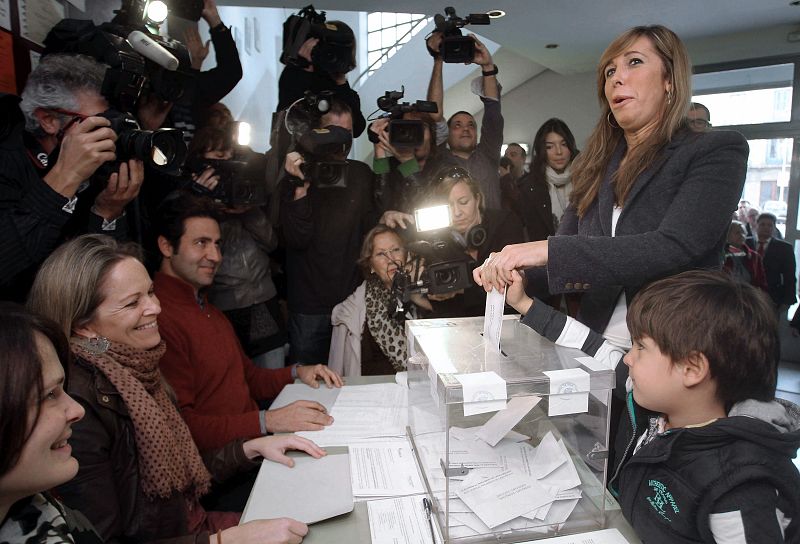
(96, 345)
(669, 96)
(608, 118)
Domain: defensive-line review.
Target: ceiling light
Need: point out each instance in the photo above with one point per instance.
(496, 13)
(551, 45)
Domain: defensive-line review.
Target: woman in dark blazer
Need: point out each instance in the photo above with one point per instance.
(651, 198)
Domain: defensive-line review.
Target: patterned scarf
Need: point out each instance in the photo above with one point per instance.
(389, 333)
(168, 458)
(35, 519)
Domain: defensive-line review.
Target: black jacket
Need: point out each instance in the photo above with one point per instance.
(535, 207)
(107, 488)
(323, 232)
(779, 265)
(33, 221)
(672, 489)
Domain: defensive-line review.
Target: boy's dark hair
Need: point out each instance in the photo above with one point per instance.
(179, 206)
(731, 323)
(21, 375)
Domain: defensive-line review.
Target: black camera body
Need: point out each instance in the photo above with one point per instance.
(455, 46)
(163, 150)
(322, 150)
(403, 133)
(236, 188)
(334, 52)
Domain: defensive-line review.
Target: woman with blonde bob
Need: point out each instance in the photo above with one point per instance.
(650, 197)
(140, 476)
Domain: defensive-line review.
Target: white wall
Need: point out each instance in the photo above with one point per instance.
(255, 97)
(570, 98)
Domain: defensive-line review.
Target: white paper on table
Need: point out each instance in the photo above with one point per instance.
(548, 456)
(493, 317)
(569, 391)
(503, 497)
(364, 411)
(384, 469)
(483, 392)
(399, 521)
(504, 420)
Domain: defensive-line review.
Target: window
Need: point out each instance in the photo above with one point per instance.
(757, 98)
(387, 32)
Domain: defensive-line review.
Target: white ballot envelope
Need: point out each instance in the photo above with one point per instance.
(280, 491)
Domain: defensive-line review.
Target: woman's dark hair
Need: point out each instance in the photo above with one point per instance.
(539, 145)
(21, 375)
(208, 139)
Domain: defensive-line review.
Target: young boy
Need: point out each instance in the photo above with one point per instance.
(706, 448)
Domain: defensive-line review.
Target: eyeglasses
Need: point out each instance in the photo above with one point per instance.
(391, 254)
(454, 172)
(699, 123)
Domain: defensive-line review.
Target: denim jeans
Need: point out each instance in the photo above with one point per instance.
(310, 338)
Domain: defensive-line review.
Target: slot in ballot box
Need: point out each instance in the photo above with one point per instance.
(512, 444)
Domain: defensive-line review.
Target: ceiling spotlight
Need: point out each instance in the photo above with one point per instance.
(496, 13)
(157, 12)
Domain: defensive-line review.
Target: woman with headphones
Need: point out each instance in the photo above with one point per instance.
(478, 230)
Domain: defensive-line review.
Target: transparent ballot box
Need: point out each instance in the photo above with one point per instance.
(513, 444)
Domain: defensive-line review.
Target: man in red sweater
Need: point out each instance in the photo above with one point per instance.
(216, 384)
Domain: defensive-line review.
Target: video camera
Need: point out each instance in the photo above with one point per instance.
(138, 60)
(321, 147)
(403, 133)
(455, 46)
(334, 52)
(236, 188)
(447, 267)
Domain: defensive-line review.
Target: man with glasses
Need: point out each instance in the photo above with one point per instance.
(51, 144)
(699, 117)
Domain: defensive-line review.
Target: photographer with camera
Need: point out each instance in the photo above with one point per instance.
(53, 144)
(368, 327)
(477, 229)
(405, 151)
(326, 208)
(463, 149)
(319, 63)
(243, 288)
(210, 85)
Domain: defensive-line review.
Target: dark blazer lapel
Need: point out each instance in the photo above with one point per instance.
(649, 173)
